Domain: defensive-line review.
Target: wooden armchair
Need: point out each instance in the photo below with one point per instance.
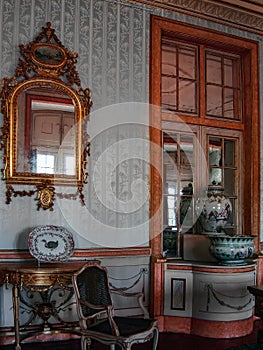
(96, 312)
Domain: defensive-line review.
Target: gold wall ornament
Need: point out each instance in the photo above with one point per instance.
(44, 133)
(45, 196)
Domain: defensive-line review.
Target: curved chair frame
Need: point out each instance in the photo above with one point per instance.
(96, 312)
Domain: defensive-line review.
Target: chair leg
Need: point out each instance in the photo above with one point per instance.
(84, 342)
(155, 338)
(112, 346)
(89, 343)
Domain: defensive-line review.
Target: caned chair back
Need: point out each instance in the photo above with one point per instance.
(93, 287)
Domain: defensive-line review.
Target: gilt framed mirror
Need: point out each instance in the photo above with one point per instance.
(44, 134)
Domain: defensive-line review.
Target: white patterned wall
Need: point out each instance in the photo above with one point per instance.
(112, 39)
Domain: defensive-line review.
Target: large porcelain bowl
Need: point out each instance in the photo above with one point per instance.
(232, 250)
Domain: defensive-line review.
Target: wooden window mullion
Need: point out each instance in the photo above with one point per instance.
(202, 78)
(223, 85)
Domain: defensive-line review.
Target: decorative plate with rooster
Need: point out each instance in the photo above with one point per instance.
(50, 243)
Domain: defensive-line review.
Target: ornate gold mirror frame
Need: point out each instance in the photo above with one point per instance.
(44, 133)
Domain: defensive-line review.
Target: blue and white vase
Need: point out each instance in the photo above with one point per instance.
(216, 211)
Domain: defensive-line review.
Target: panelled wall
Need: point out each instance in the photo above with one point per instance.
(112, 40)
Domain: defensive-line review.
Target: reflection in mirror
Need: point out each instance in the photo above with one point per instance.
(178, 187)
(46, 118)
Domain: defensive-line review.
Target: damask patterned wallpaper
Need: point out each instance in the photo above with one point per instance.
(112, 39)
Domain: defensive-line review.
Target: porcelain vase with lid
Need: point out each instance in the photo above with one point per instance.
(216, 210)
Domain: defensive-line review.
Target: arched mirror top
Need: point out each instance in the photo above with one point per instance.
(44, 134)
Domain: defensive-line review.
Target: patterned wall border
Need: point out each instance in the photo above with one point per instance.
(230, 15)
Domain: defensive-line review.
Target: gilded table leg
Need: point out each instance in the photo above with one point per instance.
(16, 315)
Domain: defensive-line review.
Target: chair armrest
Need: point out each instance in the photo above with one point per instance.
(139, 296)
(92, 306)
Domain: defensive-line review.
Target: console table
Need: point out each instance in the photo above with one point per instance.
(37, 278)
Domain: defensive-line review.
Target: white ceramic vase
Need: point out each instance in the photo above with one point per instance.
(216, 210)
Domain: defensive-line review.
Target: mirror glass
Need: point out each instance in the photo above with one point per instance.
(46, 139)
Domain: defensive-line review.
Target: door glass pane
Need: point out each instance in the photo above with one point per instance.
(179, 77)
(187, 96)
(170, 164)
(187, 163)
(168, 60)
(215, 151)
(223, 90)
(214, 100)
(229, 180)
(170, 211)
(186, 213)
(228, 103)
(186, 207)
(213, 69)
(178, 180)
(169, 93)
(215, 177)
(232, 219)
(229, 153)
(228, 72)
(187, 63)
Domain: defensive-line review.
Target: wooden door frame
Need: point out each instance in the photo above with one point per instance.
(251, 127)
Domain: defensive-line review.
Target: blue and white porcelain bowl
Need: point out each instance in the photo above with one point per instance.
(232, 250)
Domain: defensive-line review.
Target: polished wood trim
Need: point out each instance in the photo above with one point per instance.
(191, 32)
(251, 145)
(226, 124)
(80, 253)
(132, 251)
(212, 269)
(260, 270)
(246, 15)
(179, 267)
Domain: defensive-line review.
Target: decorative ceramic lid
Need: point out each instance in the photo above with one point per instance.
(50, 243)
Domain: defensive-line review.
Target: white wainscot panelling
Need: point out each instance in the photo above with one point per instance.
(131, 275)
(223, 297)
(215, 295)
